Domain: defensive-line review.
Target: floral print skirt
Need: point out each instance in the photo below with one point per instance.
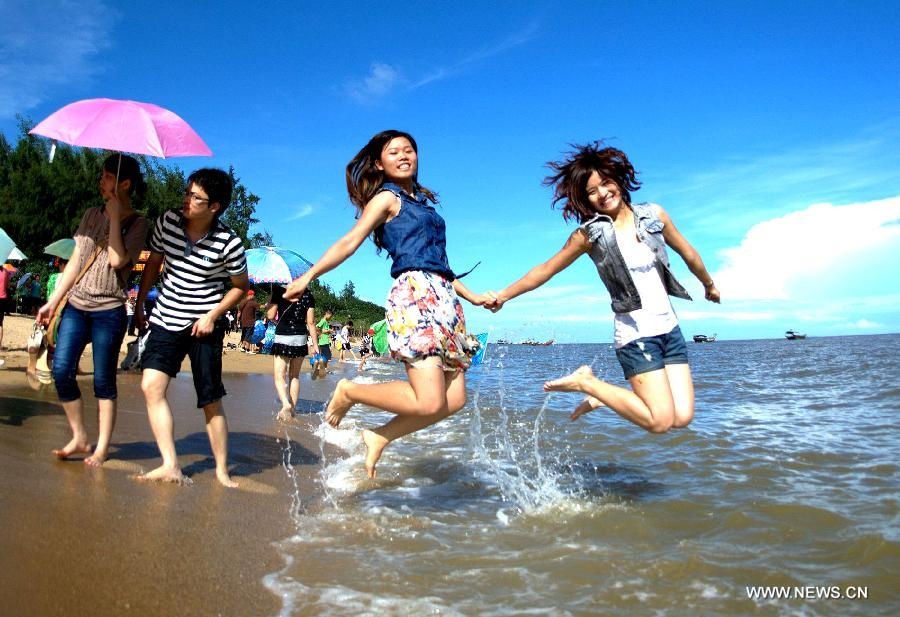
(425, 319)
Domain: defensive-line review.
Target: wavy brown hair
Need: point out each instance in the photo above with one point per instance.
(569, 180)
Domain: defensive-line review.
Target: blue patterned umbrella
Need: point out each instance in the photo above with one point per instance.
(271, 264)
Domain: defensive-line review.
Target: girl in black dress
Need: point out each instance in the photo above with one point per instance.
(295, 335)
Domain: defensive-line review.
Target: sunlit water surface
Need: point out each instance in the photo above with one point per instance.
(787, 476)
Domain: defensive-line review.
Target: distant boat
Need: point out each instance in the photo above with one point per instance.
(503, 341)
(792, 335)
(537, 343)
(702, 338)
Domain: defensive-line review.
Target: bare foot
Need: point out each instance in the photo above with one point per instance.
(284, 415)
(96, 459)
(225, 480)
(339, 404)
(375, 445)
(165, 474)
(588, 404)
(571, 382)
(73, 447)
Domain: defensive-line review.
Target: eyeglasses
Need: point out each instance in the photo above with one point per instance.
(195, 198)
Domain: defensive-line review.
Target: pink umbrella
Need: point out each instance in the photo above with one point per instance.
(126, 126)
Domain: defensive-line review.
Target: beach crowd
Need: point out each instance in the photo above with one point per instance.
(199, 267)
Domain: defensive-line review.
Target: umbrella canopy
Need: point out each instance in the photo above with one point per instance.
(7, 246)
(126, 126)
(61, 248)
(16, 255)
(271, 264)
(10, 268)
(25, 278)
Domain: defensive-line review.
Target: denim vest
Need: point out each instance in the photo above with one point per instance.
(611, 265)
(415, 238)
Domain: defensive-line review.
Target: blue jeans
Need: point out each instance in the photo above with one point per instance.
(105, 331)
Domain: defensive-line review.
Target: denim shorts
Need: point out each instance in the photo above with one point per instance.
(652, 353)
(166, 349)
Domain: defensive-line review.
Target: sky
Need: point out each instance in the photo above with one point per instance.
(769, 131)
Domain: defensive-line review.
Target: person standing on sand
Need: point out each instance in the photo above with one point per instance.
(295, 335)
(426, 326)
(201, 256)
(627, 243)
(247, 310)
(5, 304)
(344, 341)
(324, 328)
(108, 243)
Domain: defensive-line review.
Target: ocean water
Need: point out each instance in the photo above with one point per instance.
(788, 477)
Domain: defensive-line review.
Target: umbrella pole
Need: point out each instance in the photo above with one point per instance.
(118, 169)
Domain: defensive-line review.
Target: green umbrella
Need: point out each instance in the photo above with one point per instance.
(6, 246)
(61, 248)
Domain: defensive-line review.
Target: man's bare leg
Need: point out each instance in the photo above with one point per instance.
(79, 443)
(154, 385)
(217, 429)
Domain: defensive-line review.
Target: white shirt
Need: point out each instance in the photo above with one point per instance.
(656, 315)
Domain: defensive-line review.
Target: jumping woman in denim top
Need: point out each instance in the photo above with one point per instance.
(627, 244)
(426, 326)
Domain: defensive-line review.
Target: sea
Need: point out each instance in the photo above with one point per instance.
(780, 498)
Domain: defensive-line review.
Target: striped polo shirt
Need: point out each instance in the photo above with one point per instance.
(195, 274)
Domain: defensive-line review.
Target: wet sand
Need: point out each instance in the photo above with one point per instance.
(78, 540)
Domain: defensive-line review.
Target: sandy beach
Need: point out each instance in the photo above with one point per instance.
(78, 540)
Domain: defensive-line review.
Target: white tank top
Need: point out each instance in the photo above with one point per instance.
(656, 315)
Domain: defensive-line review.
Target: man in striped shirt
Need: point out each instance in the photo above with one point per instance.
(201, 256)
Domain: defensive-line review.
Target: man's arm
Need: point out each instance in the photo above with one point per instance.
(240, 283)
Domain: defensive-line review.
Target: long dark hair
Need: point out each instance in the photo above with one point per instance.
(364, 178)
(569, 181)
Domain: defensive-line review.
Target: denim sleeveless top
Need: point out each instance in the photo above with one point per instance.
(611, 265)
(415, 238)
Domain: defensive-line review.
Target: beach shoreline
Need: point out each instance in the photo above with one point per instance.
(79, 540)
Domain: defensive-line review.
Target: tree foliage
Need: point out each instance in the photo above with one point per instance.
(41, 202)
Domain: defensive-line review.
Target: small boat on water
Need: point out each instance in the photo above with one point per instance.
(503, 341)
(793, 335)
(702, 338)
(537, 343)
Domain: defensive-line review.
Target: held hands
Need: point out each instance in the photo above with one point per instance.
(203, 326)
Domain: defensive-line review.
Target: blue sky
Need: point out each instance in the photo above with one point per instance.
(770, 133)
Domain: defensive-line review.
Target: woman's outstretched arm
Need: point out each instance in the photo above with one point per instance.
(576, 246)
(374, 214)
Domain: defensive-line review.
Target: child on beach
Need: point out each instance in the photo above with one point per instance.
(627, 243)
(426, 326)
(365, 351)
(295, 336)
(201, 256)
(344, 341)
(107, 244)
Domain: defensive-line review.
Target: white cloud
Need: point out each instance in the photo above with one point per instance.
(777, 255)
(865, 324)
(378, 83)
(301, 212)
(383, 78)
(46, 46)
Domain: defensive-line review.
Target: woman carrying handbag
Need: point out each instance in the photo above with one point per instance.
(90, 301)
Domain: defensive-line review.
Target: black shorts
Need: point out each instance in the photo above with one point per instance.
(246, 333)
(345, 346)
(325, 351)
(165, 350)
(5, 305)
